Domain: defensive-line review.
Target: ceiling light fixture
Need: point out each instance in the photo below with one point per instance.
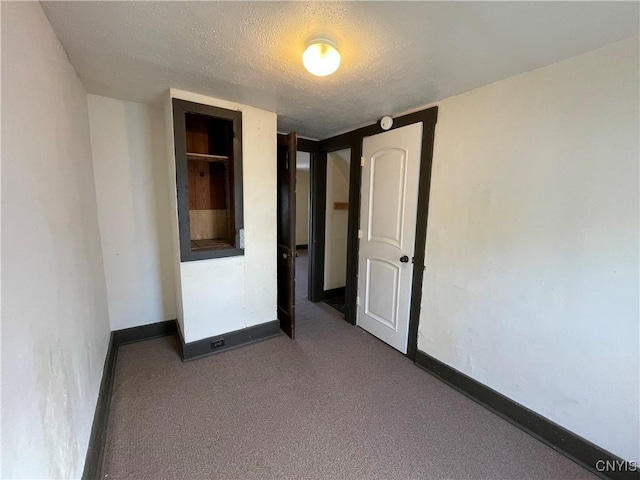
(321, 58)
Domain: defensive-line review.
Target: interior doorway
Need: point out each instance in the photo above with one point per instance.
(303, 196)
(295, 190)
(319, 151)
(336, 228)
(354, 141)
(389, 198)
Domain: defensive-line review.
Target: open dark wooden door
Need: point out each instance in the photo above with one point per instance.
(287, 150)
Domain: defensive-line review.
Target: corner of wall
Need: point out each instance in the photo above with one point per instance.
(171, 166)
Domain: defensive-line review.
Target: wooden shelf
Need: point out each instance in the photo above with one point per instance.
(207, 158)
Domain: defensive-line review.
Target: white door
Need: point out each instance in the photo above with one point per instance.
(388, 224)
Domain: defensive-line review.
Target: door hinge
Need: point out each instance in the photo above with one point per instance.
(359, 233)
(362, 161)
(357, 300)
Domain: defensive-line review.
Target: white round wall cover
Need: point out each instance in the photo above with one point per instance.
(386, 122)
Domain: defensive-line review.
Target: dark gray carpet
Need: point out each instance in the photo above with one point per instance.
(335, 403)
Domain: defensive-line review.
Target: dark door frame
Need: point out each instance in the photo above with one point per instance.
(353, 140)
(181, 108)
(318, 183)
(317, 218)
(313, 249)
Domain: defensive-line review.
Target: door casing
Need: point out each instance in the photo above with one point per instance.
(314, 249)
(353, 140)
(382, 248)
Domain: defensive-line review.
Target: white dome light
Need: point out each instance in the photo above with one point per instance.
(321, 58)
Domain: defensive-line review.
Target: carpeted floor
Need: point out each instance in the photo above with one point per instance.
(335, 403)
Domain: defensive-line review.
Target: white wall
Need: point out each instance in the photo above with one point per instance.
(336, 221)
(302, 206)
(129, 163)
(55, 325)
(531, 280)
(227, 294)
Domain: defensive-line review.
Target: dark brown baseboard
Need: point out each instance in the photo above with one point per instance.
(97, 439)
(595, 459)
(145, 332)
(333, 293)
(191, 351)
(228, 341)
(578, 449)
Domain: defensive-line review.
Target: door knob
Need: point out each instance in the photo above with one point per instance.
(404, 259)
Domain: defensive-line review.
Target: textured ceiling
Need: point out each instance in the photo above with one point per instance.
(396, 56)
